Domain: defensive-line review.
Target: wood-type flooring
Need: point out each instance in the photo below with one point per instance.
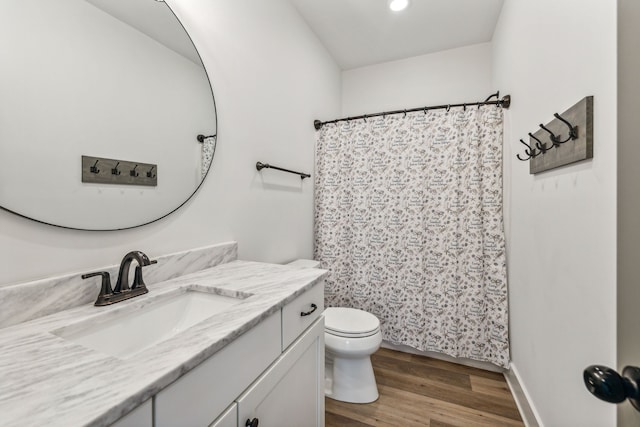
(421, 391)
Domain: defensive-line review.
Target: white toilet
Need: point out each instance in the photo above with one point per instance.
(351, 336)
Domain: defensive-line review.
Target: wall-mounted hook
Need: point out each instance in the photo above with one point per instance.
(541, 145)
(573, 130)
(133, 172)
(529, 151)
(114, 170)
(94, 168)
(150, 173)
(552, 136)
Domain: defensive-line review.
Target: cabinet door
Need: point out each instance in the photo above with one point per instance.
(291, 391)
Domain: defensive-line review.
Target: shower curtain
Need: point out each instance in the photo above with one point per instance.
(408, 221)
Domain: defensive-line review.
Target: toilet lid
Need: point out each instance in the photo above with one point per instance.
(350, 322)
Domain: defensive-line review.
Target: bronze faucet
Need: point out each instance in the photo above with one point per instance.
(122, 291)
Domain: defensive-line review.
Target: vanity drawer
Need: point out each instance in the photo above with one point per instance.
(198, 397)
(293, 322)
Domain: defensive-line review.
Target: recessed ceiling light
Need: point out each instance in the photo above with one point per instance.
(398, 5)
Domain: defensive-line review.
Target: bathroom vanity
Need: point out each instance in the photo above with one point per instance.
(258, 360)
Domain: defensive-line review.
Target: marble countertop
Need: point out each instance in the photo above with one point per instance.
(47, 380)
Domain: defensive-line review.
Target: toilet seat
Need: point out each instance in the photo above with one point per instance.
(350, 322)
(344, 335)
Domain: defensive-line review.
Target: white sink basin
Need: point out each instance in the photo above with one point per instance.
(123, 335)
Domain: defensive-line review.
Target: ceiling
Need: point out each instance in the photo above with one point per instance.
(365, 32)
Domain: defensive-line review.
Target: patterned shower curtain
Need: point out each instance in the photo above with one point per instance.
(408, 221)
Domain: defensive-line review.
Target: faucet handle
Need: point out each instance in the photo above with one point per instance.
(138, 282)
(105, 292)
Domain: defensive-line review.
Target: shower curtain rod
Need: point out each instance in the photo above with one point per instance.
(504, 102)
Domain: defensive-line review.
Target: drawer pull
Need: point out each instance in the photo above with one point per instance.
(252, 423)
(306, 313)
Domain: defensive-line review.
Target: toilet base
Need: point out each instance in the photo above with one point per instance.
(350, 379)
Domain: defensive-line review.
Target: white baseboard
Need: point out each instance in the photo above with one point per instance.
(521, 396)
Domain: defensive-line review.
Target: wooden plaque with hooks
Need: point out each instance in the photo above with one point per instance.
(574, 150)
(100, 170)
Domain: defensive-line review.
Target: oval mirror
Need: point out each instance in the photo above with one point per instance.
(101, 106)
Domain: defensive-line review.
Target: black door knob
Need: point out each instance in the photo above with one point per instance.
(608, 385)
(252, 423)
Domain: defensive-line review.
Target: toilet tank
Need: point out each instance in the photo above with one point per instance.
(305, 263)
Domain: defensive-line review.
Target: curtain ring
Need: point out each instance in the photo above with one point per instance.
(464, 107)
(448, 107)
(425, 111)
(365, 118)
(405, 113)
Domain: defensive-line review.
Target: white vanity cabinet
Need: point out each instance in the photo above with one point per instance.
(274, 372)
(291, 392)
(200, 396)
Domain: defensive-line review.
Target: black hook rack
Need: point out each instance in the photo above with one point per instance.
(556, 140)
(547, 147)
(118, 172)
(260, 166)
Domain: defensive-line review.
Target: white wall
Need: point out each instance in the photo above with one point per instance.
(271, 78)
(447, 77)
(561, 224)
